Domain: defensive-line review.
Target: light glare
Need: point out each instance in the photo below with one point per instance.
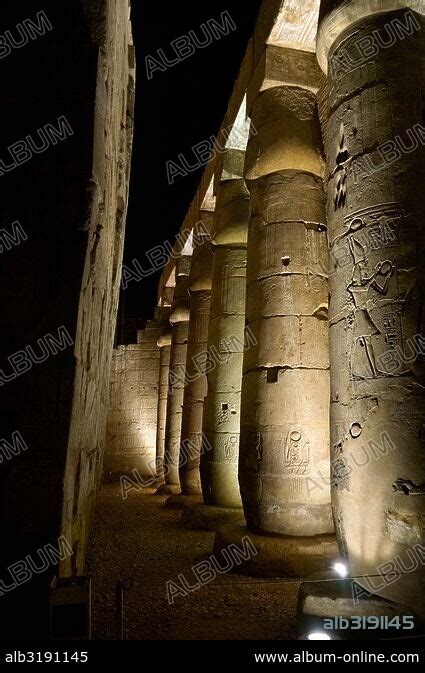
(341, 569)
(317, 635)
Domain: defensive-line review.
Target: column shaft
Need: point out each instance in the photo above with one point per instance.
(225, 347)
(284, 455)
(179, 320)
(195, 393)
(375, 212)
(164, 344)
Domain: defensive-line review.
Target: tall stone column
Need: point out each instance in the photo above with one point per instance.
(284, 447)
(196, 380)
(375, 209)
(219, 459)
(179, 320)
(164, 345)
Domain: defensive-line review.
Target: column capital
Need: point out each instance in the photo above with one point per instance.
(200, 278)
(180, 312)
(180, 309)
(231, 213)
(286, 133)
(280, 66)
(164, 339)
(338, 16)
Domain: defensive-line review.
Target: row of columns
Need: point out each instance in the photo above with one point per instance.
(260, 427)
(179, 320)
(196, 384)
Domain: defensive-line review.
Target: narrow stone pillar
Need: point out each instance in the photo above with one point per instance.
(196, 380)
(219, 459)
(164, 345)
(376, 203)
(179, 320)
(284, 447)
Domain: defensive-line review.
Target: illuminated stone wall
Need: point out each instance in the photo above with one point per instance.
(107, 189)
(133, 408)
(71, 201)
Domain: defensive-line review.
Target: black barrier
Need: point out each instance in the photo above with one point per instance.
(220, 653)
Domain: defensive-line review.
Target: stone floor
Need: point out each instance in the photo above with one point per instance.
(139, 539)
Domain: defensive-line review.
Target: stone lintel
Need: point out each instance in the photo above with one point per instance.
(208, 204)
(206, 220)
(183, 265)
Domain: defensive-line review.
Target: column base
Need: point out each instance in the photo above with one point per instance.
(209, 517)
(279, 556)
(168, 489)
(327, 600)
(179, 501)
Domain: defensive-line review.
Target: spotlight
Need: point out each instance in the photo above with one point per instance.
(341, 569)
(317, 635)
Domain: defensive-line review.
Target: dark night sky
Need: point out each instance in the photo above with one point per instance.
(174, 110)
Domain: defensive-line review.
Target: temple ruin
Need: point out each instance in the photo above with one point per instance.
(278, 390)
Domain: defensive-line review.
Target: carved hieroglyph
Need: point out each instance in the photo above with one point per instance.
(133, 402)
(196, 380)
(285, 391)
(179, 320)
(376, 234)
(112, 104)
(219, 460)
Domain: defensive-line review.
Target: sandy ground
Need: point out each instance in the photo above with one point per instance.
(139, 539)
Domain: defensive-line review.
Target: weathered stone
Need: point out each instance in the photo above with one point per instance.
(285, 388)
(325, 596)
(196, 361)
(179, 320)
(69, 118)
(164, 345)
(225, 346)
(105, 224)
(375, 213)
(133, 405)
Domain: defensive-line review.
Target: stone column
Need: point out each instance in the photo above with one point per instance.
(196, 381)
(179, 320)
(284, 447)
(375, 209)
(219, 459)
(164, 345)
